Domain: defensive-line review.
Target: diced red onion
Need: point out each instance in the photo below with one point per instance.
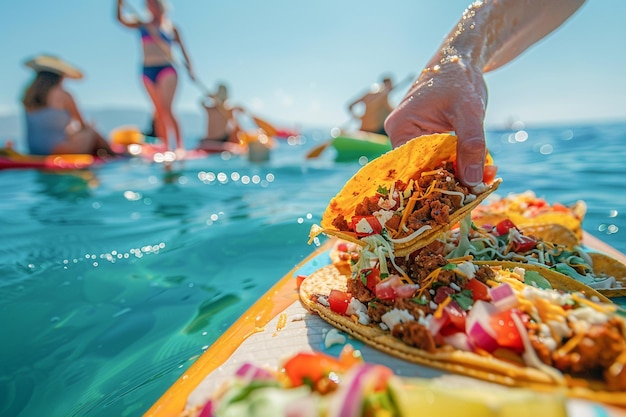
(406, 290)
(459, 341)
(207, 410)
(348, 401)
(503, 297)
(477, 328)
(250, 372)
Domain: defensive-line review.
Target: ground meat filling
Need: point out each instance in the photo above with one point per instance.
(341, 224)
(359, 290)
(433, 209)
(414, 334)
(596, 353)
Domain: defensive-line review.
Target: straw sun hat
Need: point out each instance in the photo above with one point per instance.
(54, 64)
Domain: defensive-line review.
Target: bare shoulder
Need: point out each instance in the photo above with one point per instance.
(58, 97)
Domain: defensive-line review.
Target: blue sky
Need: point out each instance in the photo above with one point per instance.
(299, 63)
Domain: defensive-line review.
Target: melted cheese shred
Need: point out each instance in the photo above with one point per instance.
(439, 312)
(606, 308)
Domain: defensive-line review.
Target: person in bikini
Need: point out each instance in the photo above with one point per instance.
(54, 124)
(159, 75)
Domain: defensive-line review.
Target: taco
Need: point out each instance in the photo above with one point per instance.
(407, 196)
(513, 324)
(534, 245)
(526, 209)
(317, 384)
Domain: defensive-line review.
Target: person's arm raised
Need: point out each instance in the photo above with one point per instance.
(450, 94)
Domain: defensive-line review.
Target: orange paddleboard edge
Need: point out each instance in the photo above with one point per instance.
(272, 303)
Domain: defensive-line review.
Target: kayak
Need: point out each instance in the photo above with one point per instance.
(11, 159)
(278, 322)
(353, 145)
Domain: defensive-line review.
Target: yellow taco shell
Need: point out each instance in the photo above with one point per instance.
(421, 154)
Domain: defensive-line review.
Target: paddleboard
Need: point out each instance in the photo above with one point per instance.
(129, 140)
(10, 159)
(351, 146)
(277, 326)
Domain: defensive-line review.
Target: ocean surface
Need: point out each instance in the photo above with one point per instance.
(115, 279)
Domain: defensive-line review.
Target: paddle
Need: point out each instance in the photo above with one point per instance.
(317, 151)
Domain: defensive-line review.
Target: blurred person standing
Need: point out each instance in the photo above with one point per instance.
(160, 78)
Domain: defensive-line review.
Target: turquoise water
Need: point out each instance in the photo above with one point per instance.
(113, 281)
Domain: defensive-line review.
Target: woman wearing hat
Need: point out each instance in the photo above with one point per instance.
(54, 124)
(159, 76)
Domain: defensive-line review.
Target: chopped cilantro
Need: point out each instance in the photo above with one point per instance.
(420, 300)
(363, 275)
(382, 190)
(464, 299)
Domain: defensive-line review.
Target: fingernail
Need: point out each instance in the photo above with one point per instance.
(473, 174)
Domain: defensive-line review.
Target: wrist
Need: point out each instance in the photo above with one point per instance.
(468, 42)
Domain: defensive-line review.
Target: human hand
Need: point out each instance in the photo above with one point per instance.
(451, 96)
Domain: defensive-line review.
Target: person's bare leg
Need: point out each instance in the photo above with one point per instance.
(85, 141)
(166, 87)
(160, 123)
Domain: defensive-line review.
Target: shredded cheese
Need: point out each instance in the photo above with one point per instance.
(570, 344)
(606, 308)
(457, 193)
(439, 312)
(428, 281)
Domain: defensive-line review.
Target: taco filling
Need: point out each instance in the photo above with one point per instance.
(407, 207)
(437, 306)
(506, 242)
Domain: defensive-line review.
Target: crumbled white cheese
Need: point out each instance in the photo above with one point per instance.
(359, 309)
(363, 226)
(323, 300)
(467, 268)
(334, 337)
(395, 316)
(588, 315)
(383, 215)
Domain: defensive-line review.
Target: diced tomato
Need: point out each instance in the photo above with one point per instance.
(479, 290)
(400, 185)
(489, 173)
(348, 357)
(524, 244)
(503, 227)
(310, 367)
(372, 221)
(507, 335)
(453, 319)
(342, 247)
(560, 207)
(299, 280)
(339, 301)
(456, 315)
(371, 278)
